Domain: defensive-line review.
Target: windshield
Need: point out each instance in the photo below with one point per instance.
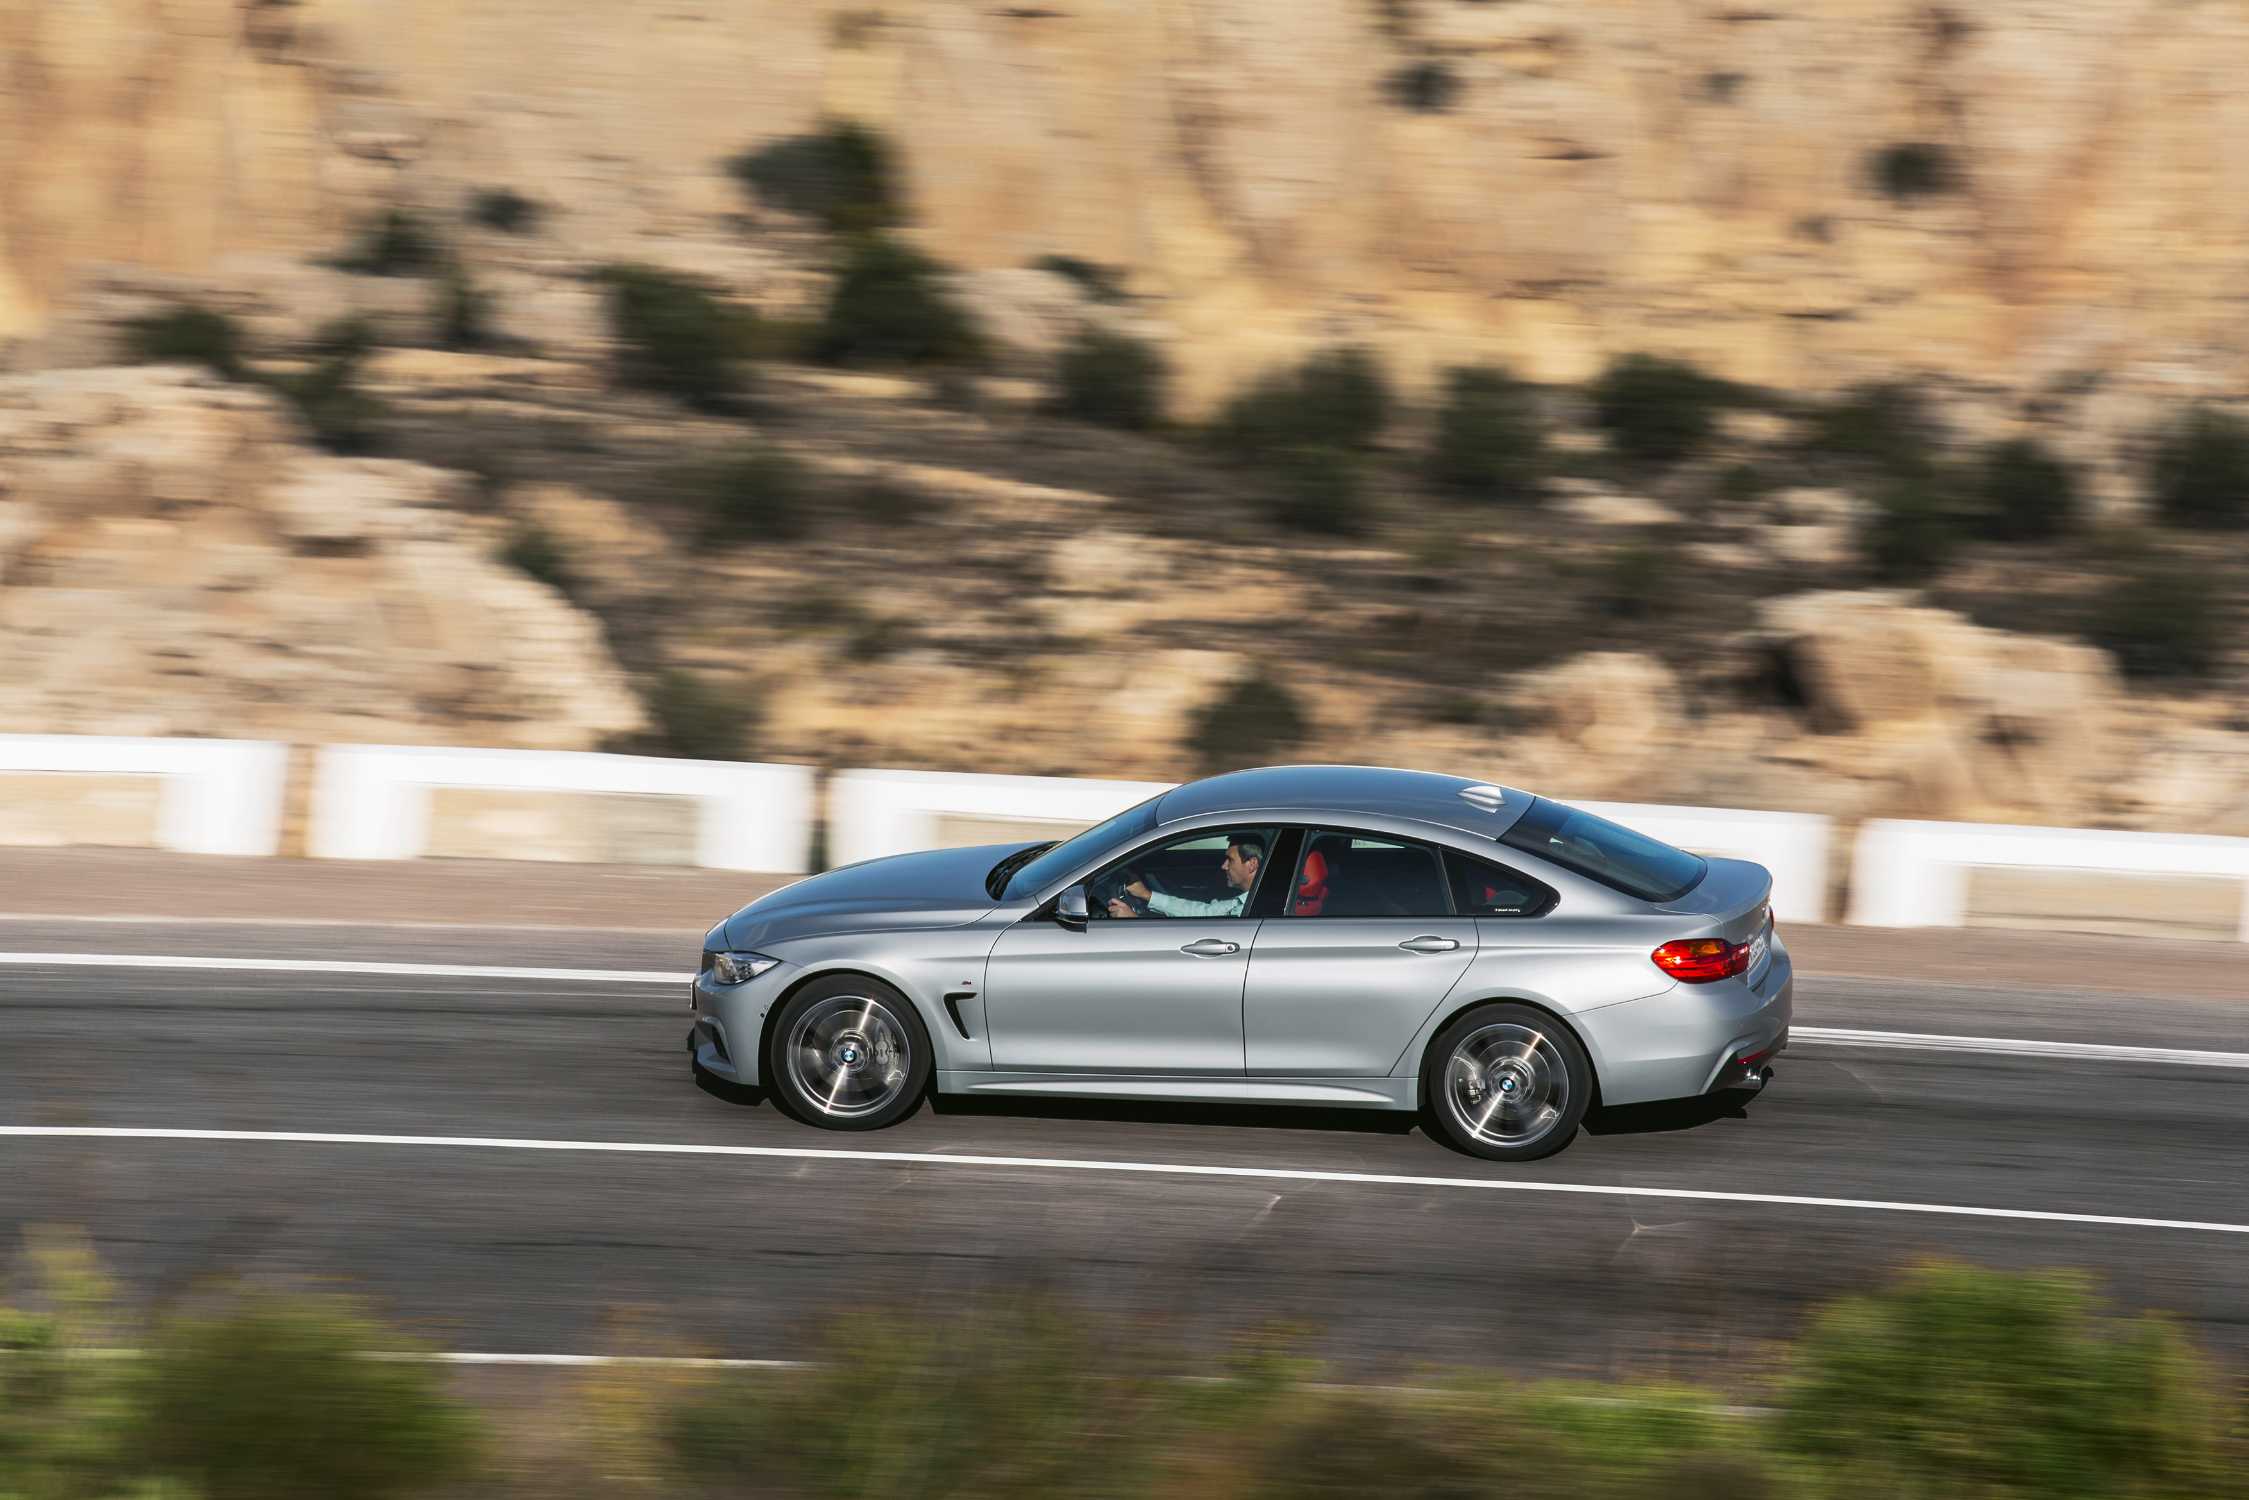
(1600, 850)
(1070, 853)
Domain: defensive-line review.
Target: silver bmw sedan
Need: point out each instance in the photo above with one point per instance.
(1328, 935)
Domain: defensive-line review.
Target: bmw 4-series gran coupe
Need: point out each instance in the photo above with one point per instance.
(1326, 935)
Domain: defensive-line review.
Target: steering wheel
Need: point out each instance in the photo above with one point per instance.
(1110, 889)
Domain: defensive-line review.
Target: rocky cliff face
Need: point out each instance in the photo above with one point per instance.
(1542, 181)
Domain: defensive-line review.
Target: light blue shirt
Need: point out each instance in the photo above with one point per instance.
(1180, 906)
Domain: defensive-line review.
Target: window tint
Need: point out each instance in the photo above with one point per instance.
(1068, 855)
(1600, 850)
(1213, 872)
(1364, 875)
(1483, 889)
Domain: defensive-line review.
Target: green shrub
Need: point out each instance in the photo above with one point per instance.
(65, 1419)
(188, 335)
(463, 312)
(1964, 1382)
(885, 502)
(1884, 426)
(1253, 721)
(1317, 490)
(278, 1397)
(2024, 492)
(533, 549)
(343, 417)
(1111, 378)
(674, 337)
(1633, 581)
(505, 210)
(1428, 86)
(1490, 441)
(694, 721)
(889, 303)
(397, 243)
(1336, 398)
(1914, 528)
(1910, 170)
(1741, 483)
(2160, 620)
(2201, 471)
(752, 494)
(1101, 283)
(841, 174)
(1657, 411)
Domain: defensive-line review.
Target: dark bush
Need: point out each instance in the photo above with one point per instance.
(884, 502)
(533, 549)
(1908, 170)
(505, 210)
(1428, 86)
(889, 303)
(396, 244)
(188, 335)
(2024, 493)
(674, 337)
(1490, 441)
(2160, 620)
(1338, 398)
(1111, 378)
(753, 494)
(1657, 411)
(694, 721)
(1317, 490)
(1741, 483)
(279, 1397)
(841, 174)
(463, 312)
(1914, 529)
(1101, 283)
(1961, 1381)
(1884, 426)
(1250, 723)
(2201, 471)
(343, 417)
(1633, 581)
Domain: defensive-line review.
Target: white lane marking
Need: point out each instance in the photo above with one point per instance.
(1079, 1164)
(1907, 1041)
(335, 966)
(1930, 1041)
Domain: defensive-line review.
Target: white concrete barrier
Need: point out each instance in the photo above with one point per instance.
(374, 801)
(1914, 874)
(1791, 845)
(215, 797)
(873, 813)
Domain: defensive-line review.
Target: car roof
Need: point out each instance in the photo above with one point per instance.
(1449, 801)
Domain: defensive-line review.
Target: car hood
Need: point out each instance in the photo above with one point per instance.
(934, 888)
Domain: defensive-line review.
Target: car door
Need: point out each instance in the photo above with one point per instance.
(1367, 945)
(1146, 995)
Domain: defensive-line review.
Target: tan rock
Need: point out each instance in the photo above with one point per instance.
(1604, 509)
(1613, 704)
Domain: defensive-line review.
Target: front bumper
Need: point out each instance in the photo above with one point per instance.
(1693, 1038)
(726, 1022)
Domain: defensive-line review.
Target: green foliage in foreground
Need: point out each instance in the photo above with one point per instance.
(1952, 1382)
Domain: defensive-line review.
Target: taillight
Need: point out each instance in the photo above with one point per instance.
(1700, 960)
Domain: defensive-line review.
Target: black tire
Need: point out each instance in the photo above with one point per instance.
(856, 1046)
(1507, 1051)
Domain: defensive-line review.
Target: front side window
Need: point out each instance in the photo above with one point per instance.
(1213, 872)
(1343, 874)
(1607, 852)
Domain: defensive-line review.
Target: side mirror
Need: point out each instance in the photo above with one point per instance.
(1069, 907)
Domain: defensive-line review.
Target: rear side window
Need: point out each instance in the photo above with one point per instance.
(1365, 875)
(1600, 850)
(1483, 889)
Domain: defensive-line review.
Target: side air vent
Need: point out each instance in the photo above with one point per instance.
(1489, 798)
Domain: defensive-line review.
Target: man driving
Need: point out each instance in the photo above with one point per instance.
(1245, 852)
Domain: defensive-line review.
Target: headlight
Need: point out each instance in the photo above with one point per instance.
(737, 968)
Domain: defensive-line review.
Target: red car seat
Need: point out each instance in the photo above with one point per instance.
(1311, 886)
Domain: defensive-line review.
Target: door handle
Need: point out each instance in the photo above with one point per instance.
(1429, 945)
(1211, 948)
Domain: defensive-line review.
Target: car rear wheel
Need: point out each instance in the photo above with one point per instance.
(1506, 1082)
(848, 1054)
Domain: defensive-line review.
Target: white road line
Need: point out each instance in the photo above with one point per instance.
(1929, 1041)
(335, 966)
(1076, 1164)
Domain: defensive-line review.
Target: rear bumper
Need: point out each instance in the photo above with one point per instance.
(1693, 1038)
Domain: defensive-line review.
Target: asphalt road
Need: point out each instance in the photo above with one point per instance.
(506, 1248)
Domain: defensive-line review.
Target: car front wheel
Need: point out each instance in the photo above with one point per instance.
(849, 1054)
(1507, 1082)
